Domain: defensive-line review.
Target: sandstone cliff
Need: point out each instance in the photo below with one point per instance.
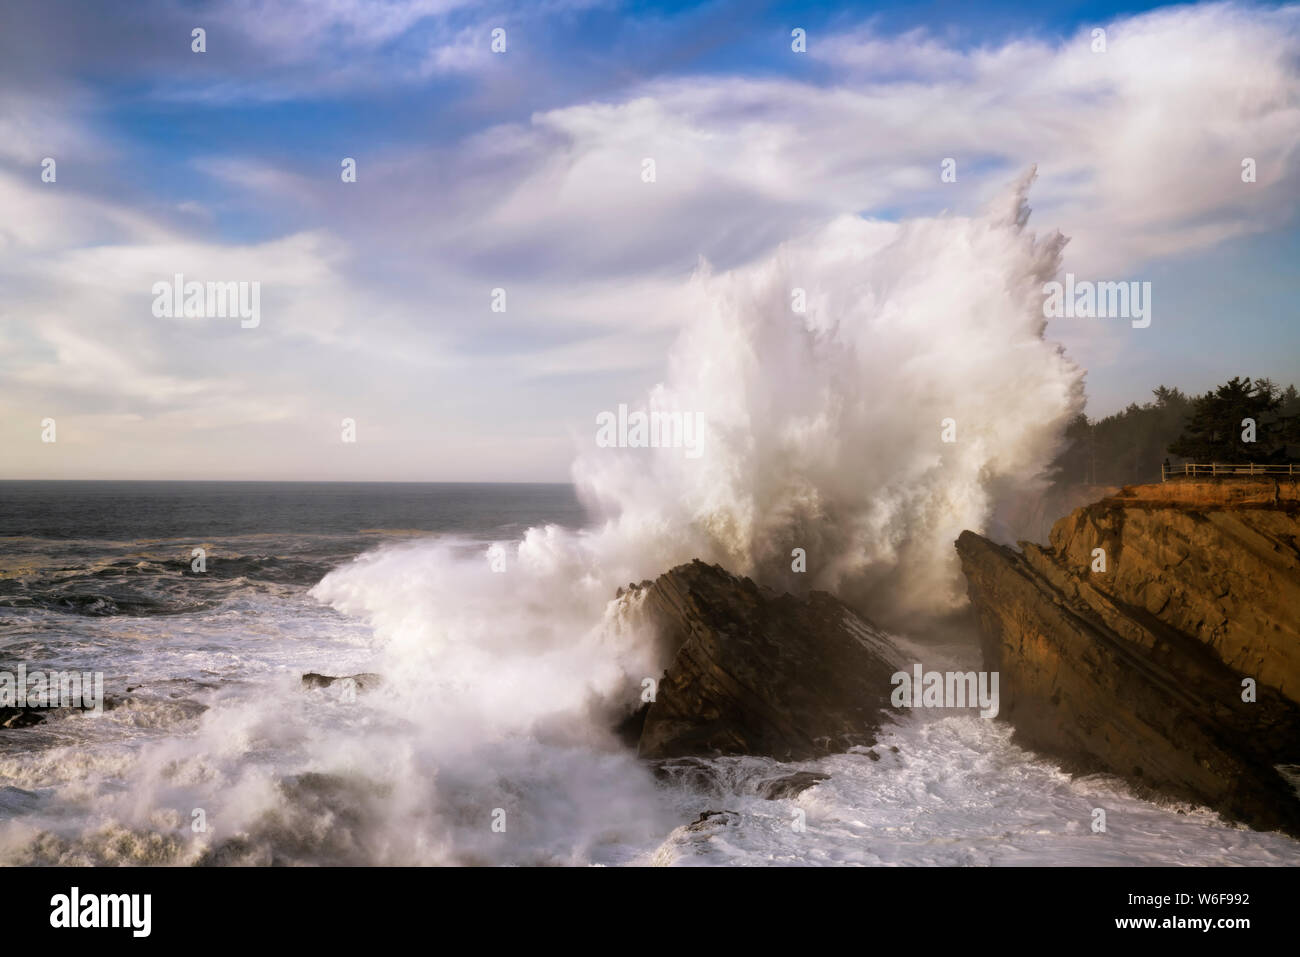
(756, 672)
(1138, 670)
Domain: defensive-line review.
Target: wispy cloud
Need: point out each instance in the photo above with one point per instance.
(377, 293)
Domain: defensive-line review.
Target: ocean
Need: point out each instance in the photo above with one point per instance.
(501, 653)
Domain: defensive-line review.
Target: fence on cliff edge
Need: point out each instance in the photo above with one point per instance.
(1217, 470)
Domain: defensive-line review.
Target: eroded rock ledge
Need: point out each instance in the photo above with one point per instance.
(761, 673)
(1138, 670)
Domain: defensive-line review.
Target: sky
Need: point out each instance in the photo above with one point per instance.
(523, 170)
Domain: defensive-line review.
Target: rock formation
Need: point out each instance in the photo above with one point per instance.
(362, 682)
(1138, 669)
(761, 673)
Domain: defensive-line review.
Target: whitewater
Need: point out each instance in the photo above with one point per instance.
(503, 679)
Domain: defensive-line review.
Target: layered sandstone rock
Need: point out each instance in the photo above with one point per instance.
(1138, 670)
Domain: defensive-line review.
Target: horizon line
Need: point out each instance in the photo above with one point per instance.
(296, 481)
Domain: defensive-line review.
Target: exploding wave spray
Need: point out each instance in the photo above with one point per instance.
(824, 429)
(823, 433)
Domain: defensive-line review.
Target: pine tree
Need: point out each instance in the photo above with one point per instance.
(1215, 428)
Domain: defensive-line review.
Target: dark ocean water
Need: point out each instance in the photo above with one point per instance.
(101, 577)
(124, 511)
(109, 548)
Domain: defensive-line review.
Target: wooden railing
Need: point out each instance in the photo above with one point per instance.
(1217, 470)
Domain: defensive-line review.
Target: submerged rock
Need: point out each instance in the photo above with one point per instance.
(760, 673)
(710, 820)
(1139, 670)
(791, 785)
(21, 717)
(364, 682)
(724, 777)
(29, 716)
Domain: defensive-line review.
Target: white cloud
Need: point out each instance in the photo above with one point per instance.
(382, 301)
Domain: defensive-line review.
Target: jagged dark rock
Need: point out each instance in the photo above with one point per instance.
(628, 729)
(790, 785)
(21, 717)
(755, 672)
(28, 717)
(1138, 670)
(364, 682)
(708, 820)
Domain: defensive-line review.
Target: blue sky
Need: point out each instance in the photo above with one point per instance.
(480, 170)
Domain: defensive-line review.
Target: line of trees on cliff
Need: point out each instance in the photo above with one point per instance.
(1130, 446)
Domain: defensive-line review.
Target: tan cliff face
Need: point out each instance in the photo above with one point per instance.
(1217, 561)
(1137, 670)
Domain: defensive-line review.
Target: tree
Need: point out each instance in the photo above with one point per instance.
(1123, 448)
(1130, 445)
(1290, 402)
(1216, 430)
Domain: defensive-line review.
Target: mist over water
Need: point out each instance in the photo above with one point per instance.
(500, 686)
(822, 432)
